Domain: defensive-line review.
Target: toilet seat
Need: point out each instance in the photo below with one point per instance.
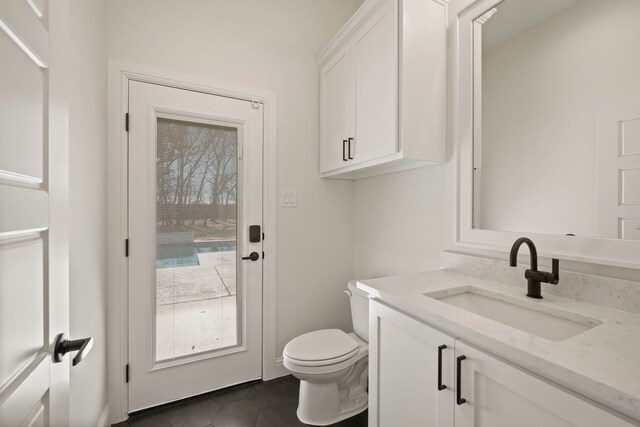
(328, 366)
(321, 348)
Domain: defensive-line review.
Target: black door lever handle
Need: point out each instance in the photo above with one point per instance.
(253, 256)
(63, 346)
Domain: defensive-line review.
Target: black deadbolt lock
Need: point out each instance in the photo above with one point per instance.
(254, 234)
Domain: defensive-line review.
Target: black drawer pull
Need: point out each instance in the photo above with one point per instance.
(350, 155)
(344, 150)
(440, 385)
(459, 399)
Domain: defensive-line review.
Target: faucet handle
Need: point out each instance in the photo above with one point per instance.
(554, 276)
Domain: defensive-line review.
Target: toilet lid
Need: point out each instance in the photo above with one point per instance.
(323, 345)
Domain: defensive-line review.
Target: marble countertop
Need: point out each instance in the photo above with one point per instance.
(602, 363)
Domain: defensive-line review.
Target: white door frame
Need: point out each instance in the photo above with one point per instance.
(120, 73)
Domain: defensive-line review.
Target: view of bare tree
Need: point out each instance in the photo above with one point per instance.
(196, 168)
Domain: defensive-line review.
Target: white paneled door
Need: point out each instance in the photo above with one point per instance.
(618, 173)
(34, 287)
(195, 243)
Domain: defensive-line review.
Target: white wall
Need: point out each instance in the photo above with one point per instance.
(87, 194)
(544, 92)
(402, 221)
(399, 222)
(268, 45)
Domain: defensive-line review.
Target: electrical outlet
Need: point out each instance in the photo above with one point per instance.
(289, 199)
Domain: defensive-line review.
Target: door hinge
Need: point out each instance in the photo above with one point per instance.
(126, 122)
(126, 373)
(255, 104)
(126, 247)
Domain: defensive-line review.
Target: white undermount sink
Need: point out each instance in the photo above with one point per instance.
(544, 321)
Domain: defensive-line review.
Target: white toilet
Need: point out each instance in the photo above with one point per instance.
(332, 367)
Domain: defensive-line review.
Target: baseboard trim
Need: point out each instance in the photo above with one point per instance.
(279, 369)
(104, 417)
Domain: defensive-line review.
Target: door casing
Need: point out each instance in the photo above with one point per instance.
(120, 73)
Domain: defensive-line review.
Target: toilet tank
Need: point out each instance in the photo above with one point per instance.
(359, 310)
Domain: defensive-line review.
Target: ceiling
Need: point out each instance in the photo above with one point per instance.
(515, 16)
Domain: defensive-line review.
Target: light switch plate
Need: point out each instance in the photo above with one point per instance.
(289, 199)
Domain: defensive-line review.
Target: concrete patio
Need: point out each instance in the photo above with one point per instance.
(196, 306)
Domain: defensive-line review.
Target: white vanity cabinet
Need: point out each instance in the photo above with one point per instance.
(499, 394)
(383, 90)
(404, 388)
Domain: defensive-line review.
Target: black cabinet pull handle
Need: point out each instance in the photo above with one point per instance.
(63, 346)
(350, 156)
(253, 256)
(459, 399)
(440, 385)
(344, 150)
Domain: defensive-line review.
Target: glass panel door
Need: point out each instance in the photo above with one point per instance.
(194, 189)
(196, 235)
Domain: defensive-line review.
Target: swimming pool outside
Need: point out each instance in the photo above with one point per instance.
(186, 254)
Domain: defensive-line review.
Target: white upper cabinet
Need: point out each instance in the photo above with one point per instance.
(383, 90)
(335, 110)
(374, 85)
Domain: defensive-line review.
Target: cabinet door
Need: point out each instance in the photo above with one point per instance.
(334, 105)
(498, 394)
(403, 367)
(374, 82)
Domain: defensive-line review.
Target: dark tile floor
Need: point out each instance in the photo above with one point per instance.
(256, 404)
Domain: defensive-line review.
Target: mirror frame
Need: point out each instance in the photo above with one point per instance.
(611, 252)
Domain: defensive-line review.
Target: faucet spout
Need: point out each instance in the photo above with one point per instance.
(533, 253)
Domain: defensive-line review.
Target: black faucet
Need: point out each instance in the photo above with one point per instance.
(533, 276)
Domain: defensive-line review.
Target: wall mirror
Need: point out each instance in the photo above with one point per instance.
(549, 123)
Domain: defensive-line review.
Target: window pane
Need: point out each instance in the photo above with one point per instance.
(196, 181)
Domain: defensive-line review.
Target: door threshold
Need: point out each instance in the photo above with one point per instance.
(194, 397)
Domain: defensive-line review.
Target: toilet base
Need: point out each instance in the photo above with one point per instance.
(329, 410)
(322, 404)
